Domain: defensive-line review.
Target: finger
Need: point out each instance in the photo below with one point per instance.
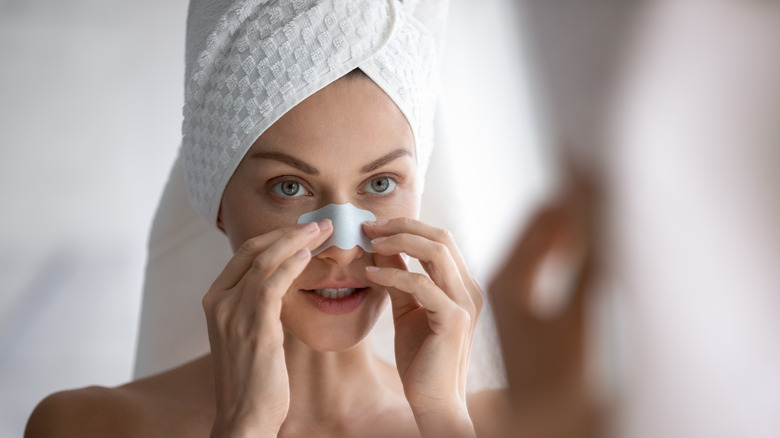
(443, 313)
(435, 258)
(268, 299)
(288, 244)
(219, 309)
(550, 235)
(384, 228)
(267, 262)
(473, 297)
(401, 302)
(246, 254)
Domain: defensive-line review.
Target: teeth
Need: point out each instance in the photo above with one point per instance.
(334, 293)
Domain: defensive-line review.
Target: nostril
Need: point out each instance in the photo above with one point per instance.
(341, 256)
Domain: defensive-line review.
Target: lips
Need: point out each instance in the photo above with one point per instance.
(337, 296)
(331, 284)
(334, 294)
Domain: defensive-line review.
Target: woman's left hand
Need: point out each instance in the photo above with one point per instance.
(435, 316)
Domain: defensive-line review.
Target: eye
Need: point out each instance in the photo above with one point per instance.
(289, 189)
(380, 186)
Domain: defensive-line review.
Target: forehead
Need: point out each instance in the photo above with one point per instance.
(349, 116)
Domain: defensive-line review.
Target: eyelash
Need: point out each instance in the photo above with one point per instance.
(283, 179)
(289, 178)
(395, 178)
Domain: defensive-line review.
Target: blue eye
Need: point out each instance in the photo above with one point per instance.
(289, 189)
(380, 186)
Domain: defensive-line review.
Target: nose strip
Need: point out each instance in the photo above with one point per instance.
(347, 226)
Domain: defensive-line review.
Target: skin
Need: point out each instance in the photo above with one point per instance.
(550, 395)
(278, 365)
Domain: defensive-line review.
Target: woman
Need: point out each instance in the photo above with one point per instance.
(294, 106)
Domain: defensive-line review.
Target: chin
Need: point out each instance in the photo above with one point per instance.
(335, 341)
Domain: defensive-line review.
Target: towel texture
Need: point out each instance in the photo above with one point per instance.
(265, 57)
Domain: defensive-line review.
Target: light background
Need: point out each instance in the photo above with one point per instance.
(90, 110)
(90, 116)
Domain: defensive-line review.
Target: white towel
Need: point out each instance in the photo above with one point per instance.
(265, 57)
(186, 253)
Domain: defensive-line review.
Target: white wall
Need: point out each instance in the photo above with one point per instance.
(90, 104)
(90, 112)
(90, 115)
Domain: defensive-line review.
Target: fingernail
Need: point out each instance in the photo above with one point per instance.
(325, 224)
(302, 254)
(378, 240)
(372, 268)
(380, 222)
(311, 226)
(369, 223)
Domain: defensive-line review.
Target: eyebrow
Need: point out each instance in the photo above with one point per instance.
(289, 160)
(311, 170)
(374, 165)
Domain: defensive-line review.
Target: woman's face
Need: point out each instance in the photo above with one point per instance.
(347, 143)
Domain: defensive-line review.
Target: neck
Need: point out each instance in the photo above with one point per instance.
(328, 386)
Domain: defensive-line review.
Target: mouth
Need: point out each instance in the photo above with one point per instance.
(336, 301)
(335, 294)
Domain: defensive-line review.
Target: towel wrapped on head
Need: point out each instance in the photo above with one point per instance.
(186, 253)
(265, 57)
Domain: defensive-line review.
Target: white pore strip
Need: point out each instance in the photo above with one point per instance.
(347, 226)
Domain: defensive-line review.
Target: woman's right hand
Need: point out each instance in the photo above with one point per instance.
(243, 309)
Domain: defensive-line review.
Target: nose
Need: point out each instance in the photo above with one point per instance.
(341, 257)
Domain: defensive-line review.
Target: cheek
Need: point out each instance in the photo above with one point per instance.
(247, 223)
(406, 205)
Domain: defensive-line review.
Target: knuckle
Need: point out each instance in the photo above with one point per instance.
(261, 263)
(420, 281)
(251, 246)
(288, 267)
(208, 301)
(440, 250)
(211, 300)
(460, 317)
(479, 302)
(406, 221)
(444, 236)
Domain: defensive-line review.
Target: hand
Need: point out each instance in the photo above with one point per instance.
(541, 322)
(243, 310)
(435, 316)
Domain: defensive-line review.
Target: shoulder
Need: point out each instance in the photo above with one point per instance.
(488, 409)
(87, 412)
(178, 402)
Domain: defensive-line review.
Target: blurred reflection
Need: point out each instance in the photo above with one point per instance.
(669, 113)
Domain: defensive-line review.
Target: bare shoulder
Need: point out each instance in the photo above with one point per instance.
(178, 402)
(87, 412)
(488, 409)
